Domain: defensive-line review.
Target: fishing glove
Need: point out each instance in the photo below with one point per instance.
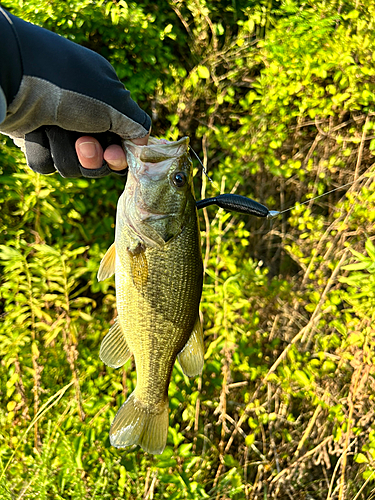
(52, 91)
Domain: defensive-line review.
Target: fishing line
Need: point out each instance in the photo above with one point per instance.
(275, 213)
(242, 204)
(203, 167)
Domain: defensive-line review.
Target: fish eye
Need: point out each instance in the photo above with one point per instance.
(179, 179)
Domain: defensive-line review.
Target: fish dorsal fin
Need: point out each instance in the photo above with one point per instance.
(139, 267)
(114, 350)
(191, 358)
(107, 264)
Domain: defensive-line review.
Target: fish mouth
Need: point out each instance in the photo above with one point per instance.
(157, 151)
(153, 206)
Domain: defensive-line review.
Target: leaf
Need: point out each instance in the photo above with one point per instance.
(184, 450)
(9, 253)
(11, 405)
(85, 316)
(302, 378)
(35, 350)
(360, 458)
(203, 72)
(370, 248)
(168, 28)
(353, 14)
(358, 266)
(122, 480)
(250, 439)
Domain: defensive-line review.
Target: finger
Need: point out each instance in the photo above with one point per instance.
(38, 152)
(89, 152)
(115, 157)
(142, 141)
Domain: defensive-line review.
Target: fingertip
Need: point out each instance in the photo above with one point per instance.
(142, 141)
(115, 157)
(89, 152)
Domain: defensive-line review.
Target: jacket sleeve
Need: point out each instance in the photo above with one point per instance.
(56, 91)
(3, 105)
(10, 64)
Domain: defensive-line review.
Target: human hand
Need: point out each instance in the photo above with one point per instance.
(65, 106)
(91, 155)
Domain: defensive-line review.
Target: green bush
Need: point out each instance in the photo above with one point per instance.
(278, 100)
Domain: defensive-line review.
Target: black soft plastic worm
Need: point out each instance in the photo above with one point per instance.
(237, 203)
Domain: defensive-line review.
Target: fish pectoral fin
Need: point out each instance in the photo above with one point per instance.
(107, 264)
(114, 350)
(135, 423)
(191, 358)
(139, 268)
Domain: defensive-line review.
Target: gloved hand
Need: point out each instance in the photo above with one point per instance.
(57, 91)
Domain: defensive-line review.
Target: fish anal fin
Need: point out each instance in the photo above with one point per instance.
(107, 264)
(139, 267)
(191, 358)
(136, 423)
(114, 350)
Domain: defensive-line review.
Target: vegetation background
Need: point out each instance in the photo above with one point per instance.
(278, 98)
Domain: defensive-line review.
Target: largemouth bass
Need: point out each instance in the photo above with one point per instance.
(158, 269)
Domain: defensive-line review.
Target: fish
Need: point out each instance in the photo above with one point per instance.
(157, 262)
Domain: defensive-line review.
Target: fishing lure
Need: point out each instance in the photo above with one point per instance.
(238, 203)
(244, 205)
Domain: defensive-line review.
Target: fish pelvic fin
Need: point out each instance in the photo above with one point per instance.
(136, 423)
(107, 264)
(139, 267)
(114, 350)
(191, 358)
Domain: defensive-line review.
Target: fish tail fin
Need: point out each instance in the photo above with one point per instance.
(135, 423)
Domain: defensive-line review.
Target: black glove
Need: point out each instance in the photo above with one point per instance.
(57, 91)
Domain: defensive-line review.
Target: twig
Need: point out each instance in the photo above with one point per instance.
(360, 150)
(271, 425)
(182, 19)
(205, 213)
(308, 430)
(301, 459)
(36, 376)
(222, 408)
(364, 485)
(44, 409)
(197, 404)
(344, 139)
(72, 354)
(309, 331)
(329, 497)
(263, 382)
(351, 397)
(27, 487)
(146, 482)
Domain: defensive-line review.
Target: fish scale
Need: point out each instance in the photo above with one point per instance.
(164, 311)
(158, 267)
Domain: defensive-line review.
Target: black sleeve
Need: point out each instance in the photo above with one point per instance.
(10, 59)
(29, 50)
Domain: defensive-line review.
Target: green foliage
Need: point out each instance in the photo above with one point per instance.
(278, 99)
